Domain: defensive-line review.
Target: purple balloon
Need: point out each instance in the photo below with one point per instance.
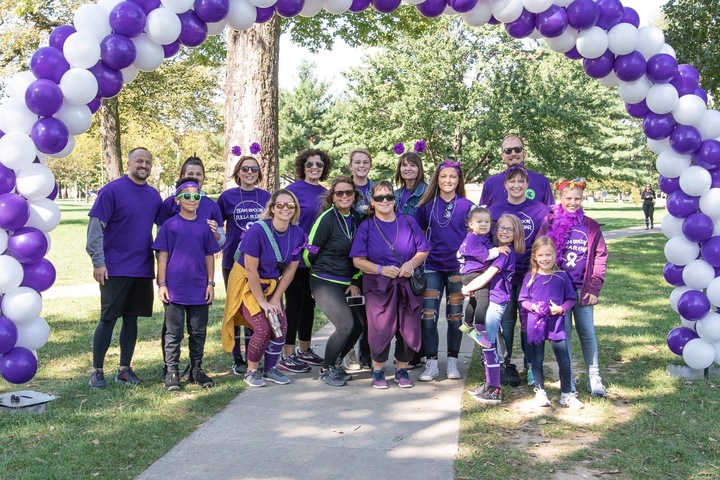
(7, 179)
(128, 19)
(43, 97)
(59, 35)
(630, 16)
(657, 126)
(359, 5)
(431, 8)
(600, 67)
(110, 81)
(686, 80)
(668, 185)
(678, 337)
(194, 31)
(49, 63)
(630, 67)
(27, 245)
(18, 366)
(117, 51)
(147, 5)
(698, 227)
(662, 68)
(14, 211)
(673, 274)
(50, 135)
(53, 195)
(680, 204)
(573, 54)
(693, 305)
(264, 14)
(710, 251)
(95, 104)
(39, 275)
(289, 8)
(715, 174)
(708, 155)
(462, 6)
(685, 139)
(611, 13)
(171, 49)
(583, 14)
(523, 26)
(552, 22)
(637, 110)
(700, 92)
(8, 335)
(211, 11)
(386, 6)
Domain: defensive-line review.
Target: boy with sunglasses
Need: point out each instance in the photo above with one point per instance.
(186, 267)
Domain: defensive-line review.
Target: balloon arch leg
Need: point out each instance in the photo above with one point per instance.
(111, 41)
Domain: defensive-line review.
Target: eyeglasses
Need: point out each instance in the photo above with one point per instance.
(247, 169)
(317, 164)
(283, 205)
(509, 150)
(190, 196)
(506, 229)
(384, 198)
(344, 193)
(448, 210)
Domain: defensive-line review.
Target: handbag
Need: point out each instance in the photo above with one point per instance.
(418, 282)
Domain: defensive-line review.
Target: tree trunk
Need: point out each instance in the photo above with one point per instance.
(251, 98)
(110, 138)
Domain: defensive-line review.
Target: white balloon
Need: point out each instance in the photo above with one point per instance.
(79, 86)
(3, 241)
(242, 15)
(42, 158)
(659, 146)
(537, 6)
(695, 181)
(634, 92)
(33, 334)
(81, 50)
(662, 98)
(149, 56)
(264, 3)
(672, 226)
(564, 42)
(507, 11)
(449, 11)
(92, 19)
(610, 80)
(709, 126)
(18, 85)
(16, 117)
(18, 150)
(337, 7)
(713, 291)
(668, 49)
(671, 164)
(413, 2)
(563, 3)
(77, 118)
(592, 43)
(687, 323)
(311, 8)
(177, 6)
(650, 41)
(129, 74)
(710, 203)
(681, 251)
(676, 294)
(67, 150)
(716, 346)
(22, 305)
(698, 354)
(163, 26)
(35, 182)
(44, 215)
(690, 110)
(216, 28)
(108, 5)
(479, 15)
(716, 230)
(698, 274)
(622, 39)
(11, 273)
(708, 327)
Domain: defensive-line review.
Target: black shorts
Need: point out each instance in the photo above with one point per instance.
(129, 296)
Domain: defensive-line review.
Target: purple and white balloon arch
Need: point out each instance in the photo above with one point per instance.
(111, 41)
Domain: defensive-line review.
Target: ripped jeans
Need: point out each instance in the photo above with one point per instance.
(438, 283)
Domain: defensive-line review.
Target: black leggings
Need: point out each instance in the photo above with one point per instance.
(348, 321)
(648, 210)
(300, 308)
(103, 338)
(477, 305)
(403, 353)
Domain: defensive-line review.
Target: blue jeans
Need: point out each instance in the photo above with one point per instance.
(437, 283)
(509, 319)
(585, 327)
(537, 355)
(493, 319)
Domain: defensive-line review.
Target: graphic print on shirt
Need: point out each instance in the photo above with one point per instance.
(527, 222)
(244, 211)
(575, 249)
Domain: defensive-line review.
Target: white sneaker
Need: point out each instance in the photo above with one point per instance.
(351, 363)
(597, 389)
(452, 370)
(541, 398)
(431, 371)
(570, 401)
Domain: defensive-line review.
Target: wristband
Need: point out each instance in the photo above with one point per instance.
(162, 284)
(379, 269)
(211, 283)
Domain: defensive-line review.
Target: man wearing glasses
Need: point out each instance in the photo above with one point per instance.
(513, 154)
(118, 242)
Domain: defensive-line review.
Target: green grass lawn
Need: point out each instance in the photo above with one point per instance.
(616, 216)
(67, 245)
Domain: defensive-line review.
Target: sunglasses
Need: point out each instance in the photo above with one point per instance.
(381, 198)
(509, 150)
(448, 210)
(190, 196)
(318, 164)
(288, 205)
(344, 193)
(506, 229)
(247, 169)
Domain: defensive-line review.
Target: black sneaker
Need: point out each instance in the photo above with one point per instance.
(489, 395)
(293, 365)
(309, 357)
(97, 379)
(127, 376)
(344, 375)
(477, 390)
(331, 377)
(187, 374)
(239, 366)
(199, 377)
(172, 381)
(163, 373)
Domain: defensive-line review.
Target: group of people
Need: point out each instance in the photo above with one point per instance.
(354, 250)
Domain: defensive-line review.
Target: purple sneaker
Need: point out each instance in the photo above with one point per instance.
(378, 379)
(482, 339)
(403, 379)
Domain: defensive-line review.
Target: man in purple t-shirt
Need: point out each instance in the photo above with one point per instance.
(118, 242)
(513, 154)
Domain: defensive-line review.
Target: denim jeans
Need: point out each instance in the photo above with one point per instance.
(537, 355)
(493, 319)
(509, 319)
(437, 283)
(585, 327)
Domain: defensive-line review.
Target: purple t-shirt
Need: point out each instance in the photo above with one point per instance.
(403, 233)
(405, 194)
(207, 210)
(531, 214)
(538, 189)
(445, 234)
(556, 288)
(187, 242)
(473, 253)
(500, 284)
(310, 198)
(239, 209)
(129, 212)
(574, 255)
(256, 244)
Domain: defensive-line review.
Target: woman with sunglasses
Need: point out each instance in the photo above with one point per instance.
(441, 214)
(311, 167)
(387, 248)
(240, 207)
(410, 177)
(268, 259)
(334, 280)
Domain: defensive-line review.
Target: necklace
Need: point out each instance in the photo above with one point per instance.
(387, 241)
(277, 233)
(242, 196)
(447, 215)
(344, 227)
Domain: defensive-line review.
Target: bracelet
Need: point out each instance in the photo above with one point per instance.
(379, 269)
(162, 284)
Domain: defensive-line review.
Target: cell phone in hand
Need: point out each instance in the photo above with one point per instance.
(356, 301)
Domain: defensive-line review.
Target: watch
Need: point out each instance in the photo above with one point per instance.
(211, 283)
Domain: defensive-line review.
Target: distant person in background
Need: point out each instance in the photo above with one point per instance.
(410, 178)
(359, 164)
(648, 206)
